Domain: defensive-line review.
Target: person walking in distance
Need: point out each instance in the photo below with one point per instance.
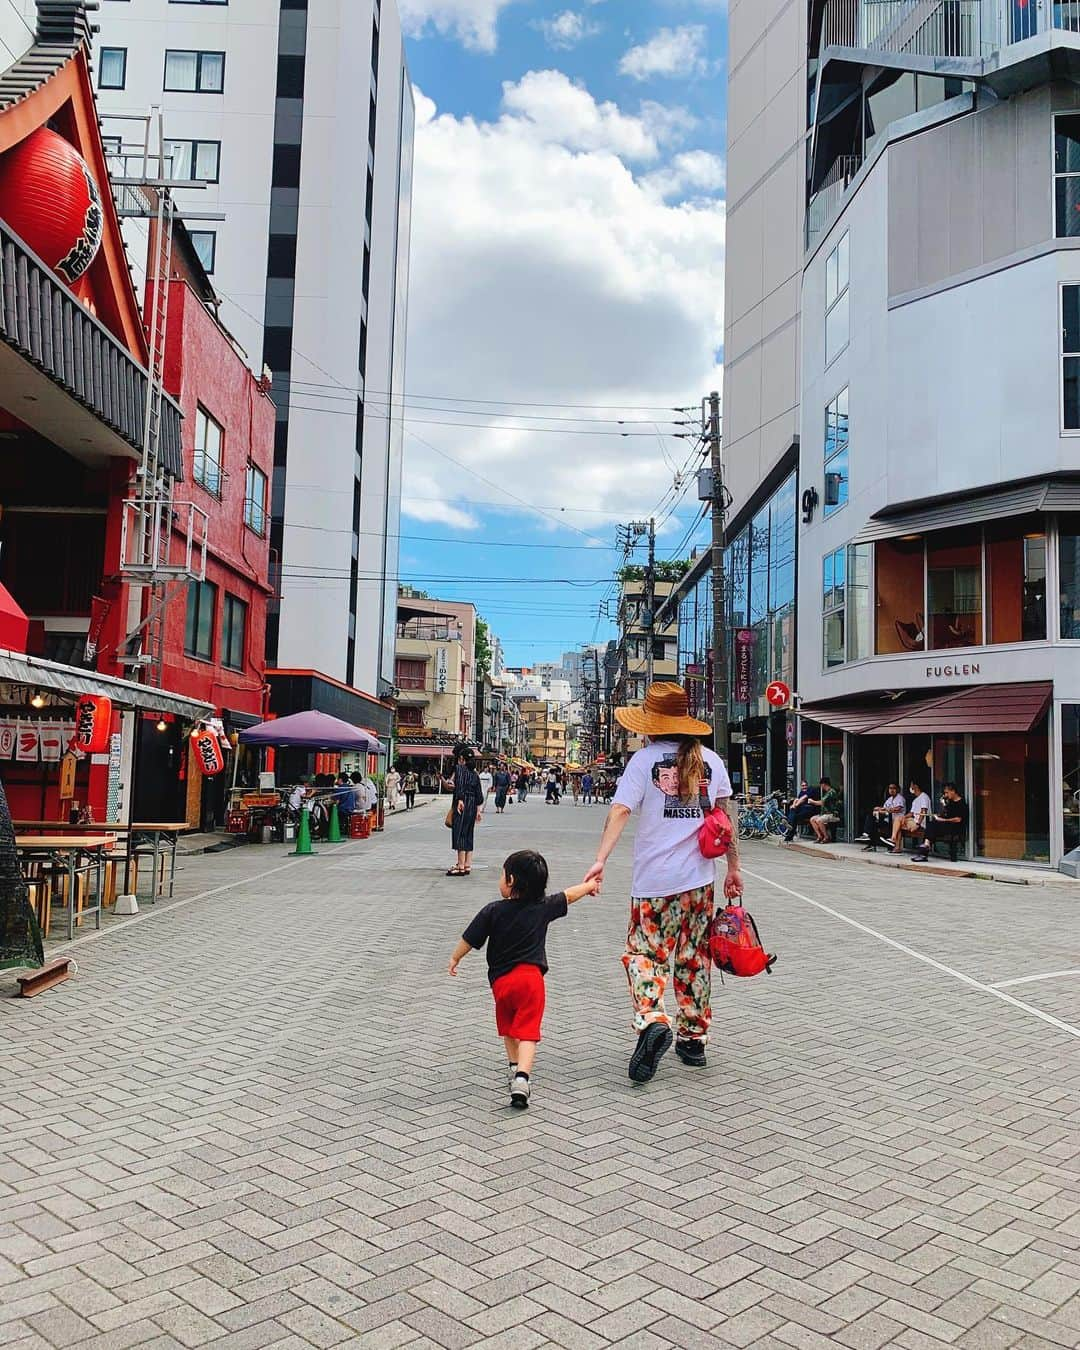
(671, 783)
(587, 785)
(408, 787)
(501, 784)
(392, 784)
(466, 809)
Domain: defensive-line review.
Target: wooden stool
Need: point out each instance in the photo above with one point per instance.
(108, 881)
(39, 894)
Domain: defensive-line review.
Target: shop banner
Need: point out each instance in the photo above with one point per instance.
(7, 739)
(52, 741)
(26, 743)
(441, 670)
(744, 665)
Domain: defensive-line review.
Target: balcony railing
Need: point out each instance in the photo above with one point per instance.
(45, 324)
(943, 28)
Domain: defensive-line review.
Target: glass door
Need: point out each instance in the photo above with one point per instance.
(1011, 773)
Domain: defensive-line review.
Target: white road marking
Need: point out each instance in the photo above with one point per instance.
(1033, 979)
(969, 980)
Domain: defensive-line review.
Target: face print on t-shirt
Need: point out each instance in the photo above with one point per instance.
(665, 778)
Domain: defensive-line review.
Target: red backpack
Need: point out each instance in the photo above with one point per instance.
(735, 944)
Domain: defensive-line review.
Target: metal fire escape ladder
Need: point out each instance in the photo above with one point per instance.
(151, 514)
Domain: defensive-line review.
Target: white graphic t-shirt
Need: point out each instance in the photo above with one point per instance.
(667, 859)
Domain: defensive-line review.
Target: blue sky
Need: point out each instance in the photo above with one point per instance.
(566, 295)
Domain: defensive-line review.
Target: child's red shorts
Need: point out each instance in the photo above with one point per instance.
(519, 1003)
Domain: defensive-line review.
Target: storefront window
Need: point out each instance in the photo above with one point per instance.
(759, 566)
(898, 593)
(832, 606)
(1069, 568)
(1012, 794)
(954, 589)
(1070, 775)
(1016, 581)
(948, 767)
(782, 547)
(811, 752)
(858, 602)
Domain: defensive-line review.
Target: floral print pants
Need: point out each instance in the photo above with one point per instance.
(660, 929)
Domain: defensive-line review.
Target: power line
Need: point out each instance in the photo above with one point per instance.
(471, 426)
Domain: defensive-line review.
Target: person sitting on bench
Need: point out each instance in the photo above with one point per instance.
(800, 810)
(915, 820)
(832, 804)
(950, 824)
(882, 825)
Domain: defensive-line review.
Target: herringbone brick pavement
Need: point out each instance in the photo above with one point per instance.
(267, 1117)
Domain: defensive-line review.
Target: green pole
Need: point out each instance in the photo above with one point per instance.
(333, 834)
(303, 847)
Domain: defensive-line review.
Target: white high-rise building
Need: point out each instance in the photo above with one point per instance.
(297, 115)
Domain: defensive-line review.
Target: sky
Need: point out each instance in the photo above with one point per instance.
(566, 297)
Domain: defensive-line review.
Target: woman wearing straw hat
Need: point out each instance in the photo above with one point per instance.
(671, 904)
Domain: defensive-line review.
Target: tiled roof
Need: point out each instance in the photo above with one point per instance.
(63, 26)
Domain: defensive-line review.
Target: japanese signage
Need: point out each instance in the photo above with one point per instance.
(744, 665)
(442, 673)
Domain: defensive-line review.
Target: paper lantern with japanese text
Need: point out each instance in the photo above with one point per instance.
(208, 752)
(93, 722)
(49, 198)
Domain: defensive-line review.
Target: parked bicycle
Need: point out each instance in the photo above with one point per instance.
(759, 820)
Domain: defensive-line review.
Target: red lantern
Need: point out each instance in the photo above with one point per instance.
(93, 722)
(208, 752)
(49, 199)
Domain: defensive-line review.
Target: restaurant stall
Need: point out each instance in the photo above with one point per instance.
(314, 734)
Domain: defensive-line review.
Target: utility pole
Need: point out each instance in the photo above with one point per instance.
(718, 497)
(650, 601)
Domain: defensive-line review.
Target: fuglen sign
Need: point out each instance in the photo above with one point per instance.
(959, 671)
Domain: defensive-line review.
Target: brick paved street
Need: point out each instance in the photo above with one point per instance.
(269, 1117)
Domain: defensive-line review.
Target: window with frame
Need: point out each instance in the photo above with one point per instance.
(1067, 176)
(255, 499)
(194, 72)
(204, 242)
(833, 605)
(1070, 358)
(836, 454)
(410, 673)
(199, 628)
(410, 717)
(112, 67)
(837, 314)
(194, 161)
(206, 465)
(233, 632)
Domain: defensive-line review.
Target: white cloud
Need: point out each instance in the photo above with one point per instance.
(691, 171)
(422, 500)
(546, 105)
(473, 22)
(567, 29)
(670, 52)
(545, 269)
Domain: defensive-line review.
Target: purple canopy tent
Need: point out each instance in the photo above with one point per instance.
(312, 731)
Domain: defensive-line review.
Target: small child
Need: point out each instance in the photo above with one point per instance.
(515, 930)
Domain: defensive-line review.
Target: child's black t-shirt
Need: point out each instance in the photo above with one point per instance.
(515, 931)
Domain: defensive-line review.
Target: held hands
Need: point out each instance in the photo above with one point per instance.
(595, 873)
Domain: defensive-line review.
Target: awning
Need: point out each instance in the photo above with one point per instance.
(35, 673)
(425, 751)
(14, 625)
(312, 730)
(1060, 492)
(993, 707)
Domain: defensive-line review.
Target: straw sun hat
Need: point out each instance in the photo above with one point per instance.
(665, 712)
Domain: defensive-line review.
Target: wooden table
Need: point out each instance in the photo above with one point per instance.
(163, 833)
(70, 847)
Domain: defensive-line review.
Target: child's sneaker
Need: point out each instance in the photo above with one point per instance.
(519, 1091)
